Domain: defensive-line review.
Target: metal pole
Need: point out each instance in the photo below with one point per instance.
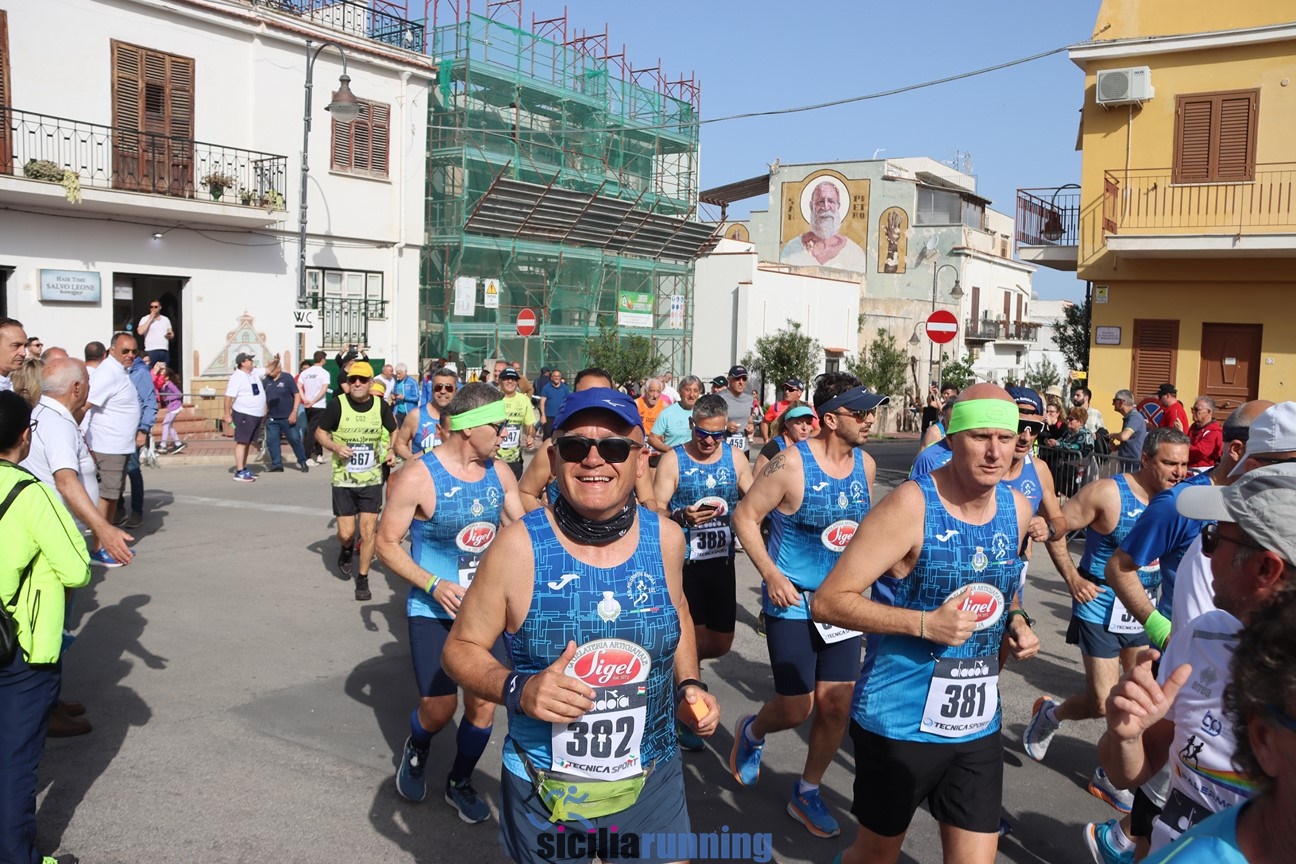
(305, 171)
(931, 344)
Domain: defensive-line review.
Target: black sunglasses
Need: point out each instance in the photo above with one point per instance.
(1034, 427)
(443, 388)
(1211, 539)
(356, 379)
(859, 416)
(714, 436)
(574, 448)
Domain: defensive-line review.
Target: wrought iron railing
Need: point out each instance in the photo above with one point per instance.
(346, 319)
(988, 330)
(1048, 217)
(1139, 199)
(112, 157)
(982, 330)
(357, 19)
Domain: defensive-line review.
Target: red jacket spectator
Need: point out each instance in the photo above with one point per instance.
(1206, 445)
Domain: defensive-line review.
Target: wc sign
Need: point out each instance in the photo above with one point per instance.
(304, 319)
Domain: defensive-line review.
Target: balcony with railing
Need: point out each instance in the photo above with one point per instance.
(1146, 211)
(356, 19)
(990, 330)
(223, 184)
(1047, 226)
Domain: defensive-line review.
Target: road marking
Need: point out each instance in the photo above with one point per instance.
(240, 504)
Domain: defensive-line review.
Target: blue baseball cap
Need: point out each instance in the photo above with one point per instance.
(854, 399)
(1027, 400)
(602, 399)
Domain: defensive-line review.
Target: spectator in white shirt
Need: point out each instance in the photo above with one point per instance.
(59, 455)
(13, 350)
(111, 424)
(156, 330)
(313, 383)
(245, 409)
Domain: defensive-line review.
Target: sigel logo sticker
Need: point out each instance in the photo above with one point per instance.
(475, 537)
(985, 600)
(838, 534)
(610, 663)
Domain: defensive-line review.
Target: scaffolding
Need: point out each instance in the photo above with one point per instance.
(566, 175)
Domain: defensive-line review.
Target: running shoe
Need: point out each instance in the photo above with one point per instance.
(1101, 787)
(101, 556)
(463, 797)
(809, 810)
(244, 476)
(688, 739)
(410, 782)
(1040, 730)
(1097, 837)
(744, 759)
(176, 448)
(344, 560)
(362, 592)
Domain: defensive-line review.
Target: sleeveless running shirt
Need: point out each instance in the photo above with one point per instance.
(914, 689)
(806, 544)
(627, 629)
(426, 436)
(1107, 608)
(365, 434)
(714, 484)
(452, 542)
(1028, 482)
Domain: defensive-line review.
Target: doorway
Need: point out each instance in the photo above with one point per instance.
(132, 294)
(1230, 365)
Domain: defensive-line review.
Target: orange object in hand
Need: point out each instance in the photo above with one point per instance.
(700, 709)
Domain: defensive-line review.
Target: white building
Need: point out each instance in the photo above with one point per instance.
(167, 101)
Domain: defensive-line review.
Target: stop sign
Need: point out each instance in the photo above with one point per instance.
(526, 322)
(942, 326)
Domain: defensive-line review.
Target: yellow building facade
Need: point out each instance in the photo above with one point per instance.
(1185, 222)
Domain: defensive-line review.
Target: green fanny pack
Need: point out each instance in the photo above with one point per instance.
(569, 798)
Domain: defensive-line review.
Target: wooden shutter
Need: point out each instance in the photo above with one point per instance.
(1215, 137)
(362, 138)
(6, 148)
(976, 305)
(380, 119)
(127, 114)
(362, 146)
(341, 158)
(180, 125)
(1156, 355)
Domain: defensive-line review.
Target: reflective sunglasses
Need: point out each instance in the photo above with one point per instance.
(574, 448)
(356, 379)
(714, 436)
(443, 388)
(858, 416)
(1034, 427)
(1211, 539)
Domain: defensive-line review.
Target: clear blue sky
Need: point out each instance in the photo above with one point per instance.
(1019, 124)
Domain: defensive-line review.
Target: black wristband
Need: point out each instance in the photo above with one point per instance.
(689, 682)
(512, 695)
(1030, 622)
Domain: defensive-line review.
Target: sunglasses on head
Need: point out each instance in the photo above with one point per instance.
(1034, 427)
(574, 448)
(714, 436)
(356, 379)
(443, 388)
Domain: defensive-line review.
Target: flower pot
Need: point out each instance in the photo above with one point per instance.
(216, 192)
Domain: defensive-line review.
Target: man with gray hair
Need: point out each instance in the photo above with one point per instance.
(13, 349)
(112, 426)
(1206, 437)
(1129, 442)
(403, 395)
(673, 426)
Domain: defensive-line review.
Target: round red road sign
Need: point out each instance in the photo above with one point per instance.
(526, 322)
(942, 326)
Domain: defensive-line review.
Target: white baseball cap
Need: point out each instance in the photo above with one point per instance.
(1274, 431)
(1262, 503)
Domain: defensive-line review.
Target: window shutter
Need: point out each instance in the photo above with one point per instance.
(1236, 153)
(380, 118)
(1156, 348)
(361, 129)
(341, 146)
(127, 119)
(180, 97)
(1192, 156)
(362, 145)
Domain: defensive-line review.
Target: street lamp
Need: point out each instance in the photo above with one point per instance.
(1053, 229)
(344, 107)
(956, 293)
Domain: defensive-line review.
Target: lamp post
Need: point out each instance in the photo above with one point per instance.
(956, 293)
(1053, 229)
(344, 107)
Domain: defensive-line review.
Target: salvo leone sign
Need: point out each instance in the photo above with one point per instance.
(69, 286)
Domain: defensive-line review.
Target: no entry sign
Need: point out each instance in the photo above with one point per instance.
(526, 322)
(942, 326)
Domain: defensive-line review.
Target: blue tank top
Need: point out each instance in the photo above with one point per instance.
(427, 435)
(714, 483)
(914, 689)
(627, 630)
(1028, 483)
(1098, 550)
(806, 544)
(451, 543)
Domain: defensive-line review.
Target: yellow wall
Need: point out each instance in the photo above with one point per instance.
(1193, 305)
(1133, 18)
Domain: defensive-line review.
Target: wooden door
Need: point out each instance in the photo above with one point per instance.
(1156, 355)
(1230, 365)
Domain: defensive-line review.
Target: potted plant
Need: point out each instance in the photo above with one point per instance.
(217, 183)
(43, 169)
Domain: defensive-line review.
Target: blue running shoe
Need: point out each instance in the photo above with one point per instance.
(809, 810)
(101, 556)
(463, 797)
(1100, 786)
(410, 782)
(744, 759)
(1098, 838)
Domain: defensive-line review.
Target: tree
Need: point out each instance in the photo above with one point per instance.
(1042, 375)
(627, 358)
(1071, 334)
(784, 354)
(882, 366)
(957, 373)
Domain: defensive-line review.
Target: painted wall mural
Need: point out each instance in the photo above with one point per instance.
(825, 222)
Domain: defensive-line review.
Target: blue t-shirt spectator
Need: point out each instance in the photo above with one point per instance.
(673, 425)
(554, 398)
(1131, 451)
(279, 395)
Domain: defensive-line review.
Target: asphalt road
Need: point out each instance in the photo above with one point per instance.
(247, 709)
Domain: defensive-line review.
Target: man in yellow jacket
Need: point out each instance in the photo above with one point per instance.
(42, 557)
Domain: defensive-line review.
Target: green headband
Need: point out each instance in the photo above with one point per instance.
(983, 414)
(482, 416)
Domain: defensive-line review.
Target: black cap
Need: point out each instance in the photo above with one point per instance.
(510, 375)
(1167, 390)
(738, 371)
(720, 381)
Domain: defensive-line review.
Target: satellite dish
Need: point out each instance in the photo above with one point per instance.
(929, 249)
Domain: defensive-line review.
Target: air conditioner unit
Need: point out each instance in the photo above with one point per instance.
(1124, 86)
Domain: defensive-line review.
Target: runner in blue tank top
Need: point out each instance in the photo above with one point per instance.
(699, 483)
(814, 493)
(450, 501)
(589, 592)
(1108, 636)
(420, 430)
(926, 718)
(1030, 476)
